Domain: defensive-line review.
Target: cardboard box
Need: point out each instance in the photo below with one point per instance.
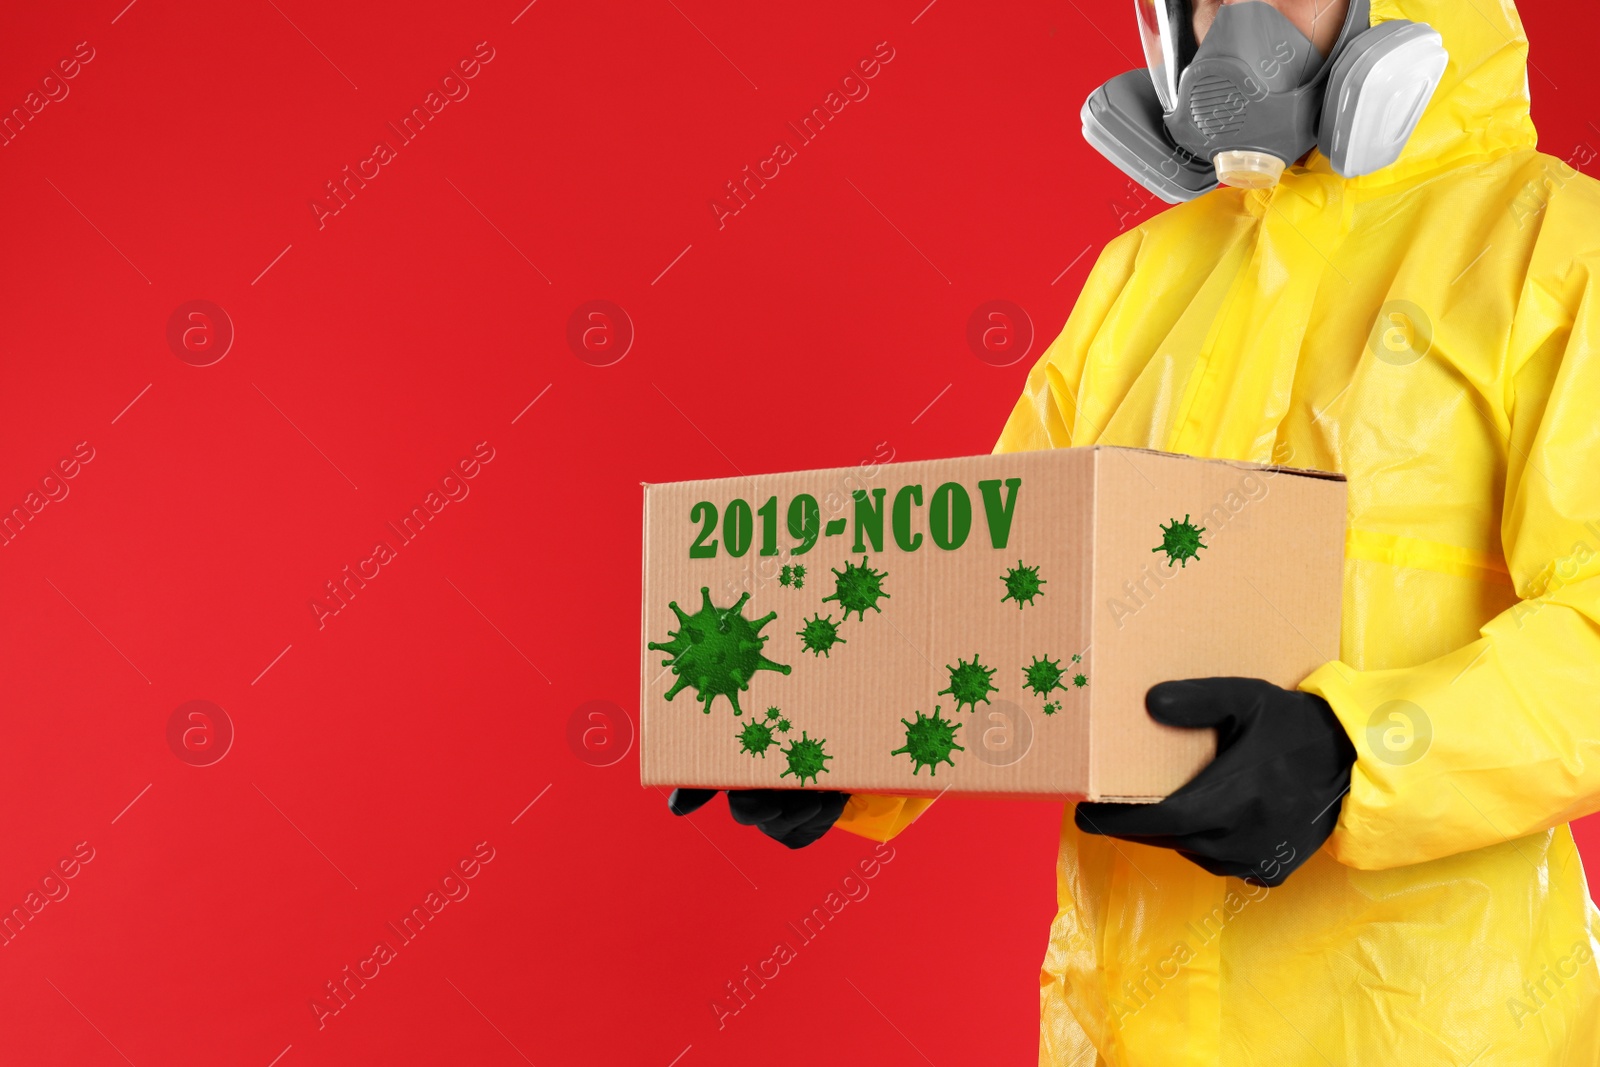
(1017, 606)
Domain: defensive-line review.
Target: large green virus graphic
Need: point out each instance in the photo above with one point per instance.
(1022, 585)
(806, 758)
(1181, 542)
(1043, 675)
(970, 683)
(929, 742)
(717, 651)
(858, 588)
(758, 735)
(818, 634)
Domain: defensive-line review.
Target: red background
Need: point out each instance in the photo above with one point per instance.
(824, 322)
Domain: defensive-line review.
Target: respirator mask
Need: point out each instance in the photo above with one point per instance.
(1256, 95)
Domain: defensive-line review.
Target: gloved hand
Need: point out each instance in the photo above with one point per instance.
(792, 817)
(1268, 800)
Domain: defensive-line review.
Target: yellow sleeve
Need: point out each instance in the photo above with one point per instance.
(880, 818)
(1042, 418)
(1515, 715)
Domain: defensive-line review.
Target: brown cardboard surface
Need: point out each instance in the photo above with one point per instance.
(1261, 599)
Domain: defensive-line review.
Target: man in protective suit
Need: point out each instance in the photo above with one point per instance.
(1410, 304)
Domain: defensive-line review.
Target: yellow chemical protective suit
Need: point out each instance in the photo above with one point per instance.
(1432, 331)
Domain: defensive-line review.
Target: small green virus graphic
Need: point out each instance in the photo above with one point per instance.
(858, 588)
(799, 571)
(1080, 680)
(1043, 675)
(818, 634)
(1022, 584)
(970, 683)
(929, 742)
(759, 735)
(1051, 707)
(806, 758)
(786, 576)
(717, 651)
(756, 738)
(1181, 542)
(1077, 658)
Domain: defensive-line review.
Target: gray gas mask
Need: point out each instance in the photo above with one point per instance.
(1257, 95)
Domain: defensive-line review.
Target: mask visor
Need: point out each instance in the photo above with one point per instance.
(1166, 29)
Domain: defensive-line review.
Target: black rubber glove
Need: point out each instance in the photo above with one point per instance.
(792, 817)
(1268, 800)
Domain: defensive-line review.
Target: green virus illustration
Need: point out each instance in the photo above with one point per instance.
(929, 742)
(1022, 585)
(806, 758)
(786, 575)
(758, 735)
(858, 588)
(756, 738)
(818, 634)
(1043, 675)
(717, 651)
(1080, 680)
(798, 571)
(1181, 542)
(1051, 707)
(970, 683)
(1077, 658)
